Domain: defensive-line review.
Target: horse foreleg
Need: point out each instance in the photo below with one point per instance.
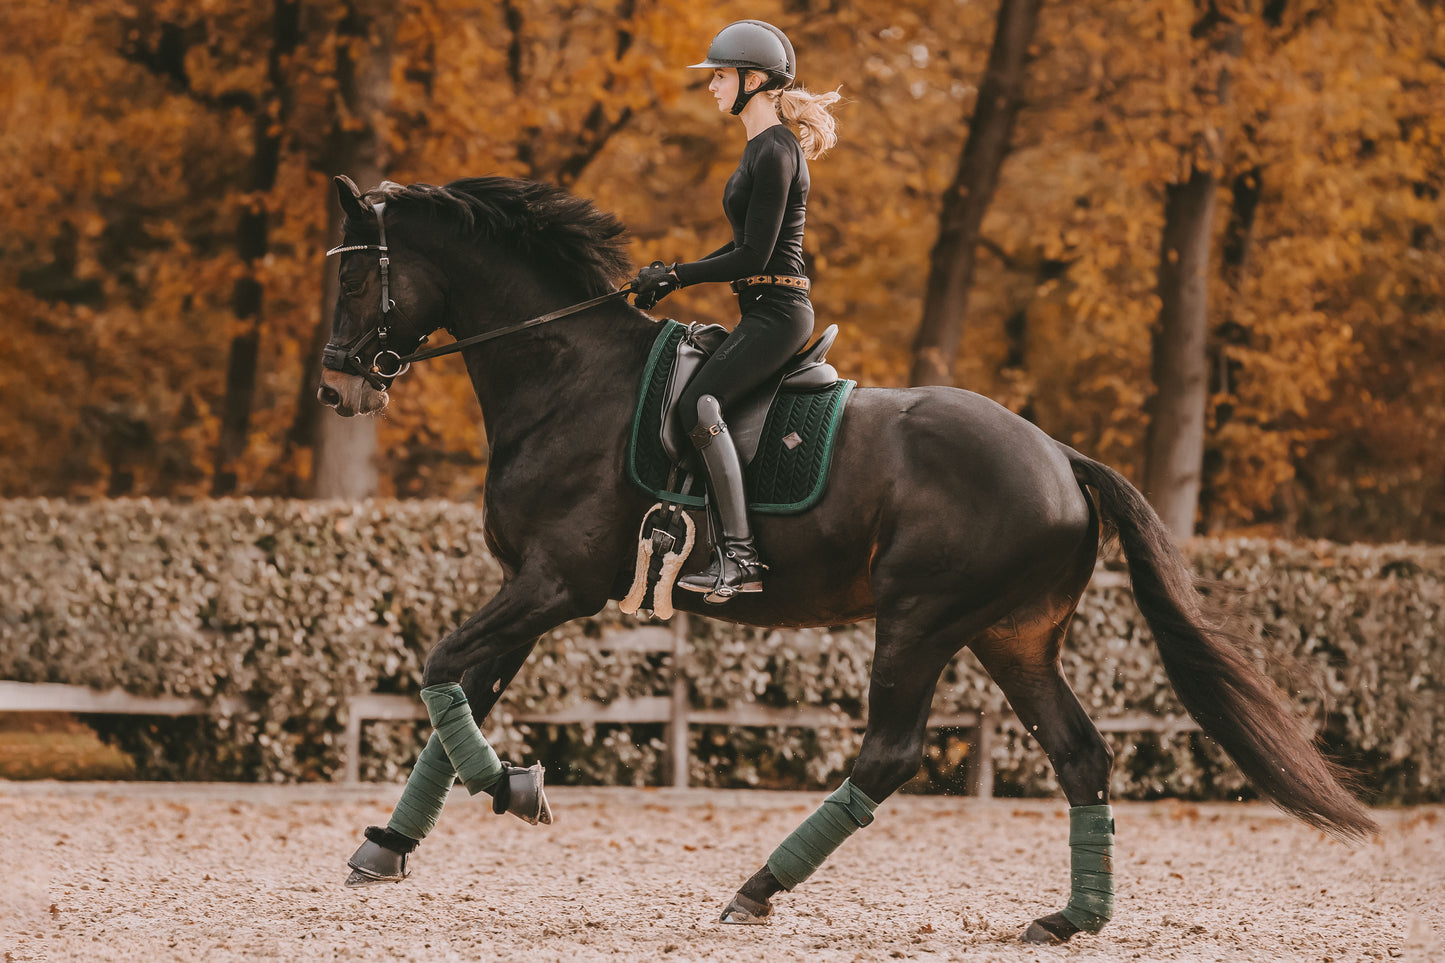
(485, 653)
(485, 683)
(900, 693)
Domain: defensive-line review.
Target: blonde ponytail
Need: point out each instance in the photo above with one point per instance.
(817, 129)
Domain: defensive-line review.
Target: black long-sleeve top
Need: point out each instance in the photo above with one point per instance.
(766, 201)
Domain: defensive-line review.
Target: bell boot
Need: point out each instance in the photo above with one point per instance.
(374, 863)
(520, 793)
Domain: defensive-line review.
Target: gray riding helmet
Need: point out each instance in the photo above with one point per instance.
(752, 45)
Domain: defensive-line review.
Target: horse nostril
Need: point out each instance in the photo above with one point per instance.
(328, 396)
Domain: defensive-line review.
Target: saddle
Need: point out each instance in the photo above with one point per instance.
(745, 418)
(798, 408)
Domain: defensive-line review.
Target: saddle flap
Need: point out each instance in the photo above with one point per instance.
(808, 369)
(694, 349)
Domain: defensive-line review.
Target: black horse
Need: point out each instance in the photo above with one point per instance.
(950, 520)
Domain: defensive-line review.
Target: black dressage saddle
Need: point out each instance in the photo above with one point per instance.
(808, 370)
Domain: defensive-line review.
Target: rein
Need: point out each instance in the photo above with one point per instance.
(348, 357)
(514, 328)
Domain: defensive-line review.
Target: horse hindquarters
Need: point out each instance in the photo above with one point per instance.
(978, 517)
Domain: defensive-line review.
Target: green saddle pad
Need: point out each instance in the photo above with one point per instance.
(785, 477)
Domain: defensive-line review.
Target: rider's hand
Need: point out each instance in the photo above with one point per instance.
(653, 283)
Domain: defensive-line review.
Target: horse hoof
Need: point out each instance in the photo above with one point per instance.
(356, 879)
(746, 912)
(1050, 930)
(376, 864)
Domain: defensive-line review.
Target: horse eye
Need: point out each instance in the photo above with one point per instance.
(353, 288)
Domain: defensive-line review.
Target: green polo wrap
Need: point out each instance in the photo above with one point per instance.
(1091, 867)
(426, 791)
(842, 814)
(474, 760)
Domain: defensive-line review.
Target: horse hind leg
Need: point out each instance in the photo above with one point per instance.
(1025, 663)
(906, 668)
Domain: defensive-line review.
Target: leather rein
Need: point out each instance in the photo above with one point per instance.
(387, 365)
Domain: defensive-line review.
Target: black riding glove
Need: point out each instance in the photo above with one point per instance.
(653, 283)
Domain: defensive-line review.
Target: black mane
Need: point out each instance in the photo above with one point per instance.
(541, 220)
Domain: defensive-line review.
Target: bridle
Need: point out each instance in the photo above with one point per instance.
(387, 365)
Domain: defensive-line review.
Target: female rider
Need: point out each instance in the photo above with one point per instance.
(765, 201)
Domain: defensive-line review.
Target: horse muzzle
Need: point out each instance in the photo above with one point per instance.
(349, 394)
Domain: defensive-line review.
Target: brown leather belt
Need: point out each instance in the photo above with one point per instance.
(781, 280)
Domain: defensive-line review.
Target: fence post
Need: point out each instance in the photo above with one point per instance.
(351, 771)
(681, 703)
(980, 770)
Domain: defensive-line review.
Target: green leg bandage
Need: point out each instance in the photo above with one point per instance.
(475, 761)
(842, 814)
(426, 791)
(1091, 869)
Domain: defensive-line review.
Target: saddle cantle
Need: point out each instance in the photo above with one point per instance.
(807, 369)
(785, 431)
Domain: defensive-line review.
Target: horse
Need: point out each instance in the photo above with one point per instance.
(949, 520)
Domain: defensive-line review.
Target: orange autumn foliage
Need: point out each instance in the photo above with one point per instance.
(129, 130)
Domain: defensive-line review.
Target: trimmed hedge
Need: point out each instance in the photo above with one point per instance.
(299, 605)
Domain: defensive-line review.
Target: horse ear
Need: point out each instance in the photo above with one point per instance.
(350, 197)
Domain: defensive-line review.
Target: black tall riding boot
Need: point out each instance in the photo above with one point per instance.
(735, 567)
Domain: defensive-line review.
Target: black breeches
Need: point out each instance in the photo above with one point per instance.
(776, 324)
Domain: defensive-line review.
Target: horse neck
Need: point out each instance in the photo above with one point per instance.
(535, 380)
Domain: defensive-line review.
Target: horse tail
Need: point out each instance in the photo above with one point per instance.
(1233, 702)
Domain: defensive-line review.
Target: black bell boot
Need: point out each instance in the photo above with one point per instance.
(735, 567)
(519, 792)
(381, 859)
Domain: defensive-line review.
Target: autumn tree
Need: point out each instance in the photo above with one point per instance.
(1174, 441)
(128, 148)
(951, 264)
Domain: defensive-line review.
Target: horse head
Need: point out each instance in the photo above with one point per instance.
(472, 257)
(390, 299)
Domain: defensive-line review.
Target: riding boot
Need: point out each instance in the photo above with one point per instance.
(735, 567)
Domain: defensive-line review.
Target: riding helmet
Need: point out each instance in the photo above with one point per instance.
(752, 45)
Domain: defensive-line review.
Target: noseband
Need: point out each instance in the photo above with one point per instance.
(387, 364)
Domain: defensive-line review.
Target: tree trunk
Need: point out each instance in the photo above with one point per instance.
(951, 264)
(345, 460)
(252, 241)
(1174, 446)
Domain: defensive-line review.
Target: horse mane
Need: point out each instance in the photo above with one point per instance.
(542, 220)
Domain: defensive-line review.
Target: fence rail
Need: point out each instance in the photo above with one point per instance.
(673, 711)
